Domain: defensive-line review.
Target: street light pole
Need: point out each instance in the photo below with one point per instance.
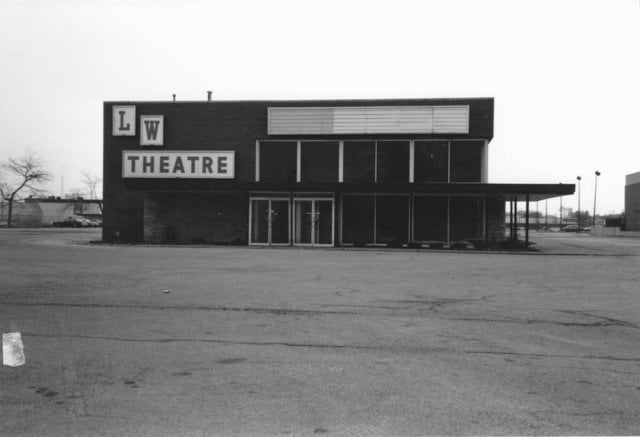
(561, 212)
(579, 178)
(546, 216)
(595, 194)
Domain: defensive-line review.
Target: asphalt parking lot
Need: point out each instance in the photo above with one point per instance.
(139, 340)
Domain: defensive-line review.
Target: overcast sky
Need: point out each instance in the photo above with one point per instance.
(565, 75)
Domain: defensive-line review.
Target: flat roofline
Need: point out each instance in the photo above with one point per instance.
(308, 101)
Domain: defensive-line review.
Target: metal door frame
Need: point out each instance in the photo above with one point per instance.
(313, 201)
(269, 231)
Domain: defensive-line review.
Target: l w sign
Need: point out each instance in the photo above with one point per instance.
(151, 130)
(151, 126)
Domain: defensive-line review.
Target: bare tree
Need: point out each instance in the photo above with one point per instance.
(91, 181)
(26, 172)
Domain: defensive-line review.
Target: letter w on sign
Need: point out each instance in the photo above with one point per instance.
(152, 128)
(152, 131)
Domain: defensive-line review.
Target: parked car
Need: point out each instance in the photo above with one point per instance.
(96, 223)
(571, 228)
(86, 223)
(71, 222)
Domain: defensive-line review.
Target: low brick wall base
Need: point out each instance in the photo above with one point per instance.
(196, 218)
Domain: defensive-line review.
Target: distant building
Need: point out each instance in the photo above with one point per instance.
(39, 212)
(632, 202)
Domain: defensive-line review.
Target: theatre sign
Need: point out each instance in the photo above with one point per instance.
(173, 165)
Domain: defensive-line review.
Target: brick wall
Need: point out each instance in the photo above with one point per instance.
(495, 220)
(193, 218)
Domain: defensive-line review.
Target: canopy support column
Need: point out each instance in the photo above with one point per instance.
(515, 218)
(511, 218)
(526, 226)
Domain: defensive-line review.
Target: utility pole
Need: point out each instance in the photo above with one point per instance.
(560, 212)
(579, 178)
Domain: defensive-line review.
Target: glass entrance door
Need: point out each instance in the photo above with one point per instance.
(269, 221)
(280, 222)
(313, 222)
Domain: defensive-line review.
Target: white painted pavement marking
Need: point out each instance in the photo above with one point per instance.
(12, 350)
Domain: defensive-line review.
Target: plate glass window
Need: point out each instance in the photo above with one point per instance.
(358, 219)
(359, 161)
(393, 161)
(278, 161)
(430, 219)
(466, 161)
(431, 161)
(466, 218)
(319, 161)
(392, 220)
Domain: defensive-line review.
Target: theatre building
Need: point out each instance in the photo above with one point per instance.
(392, 173)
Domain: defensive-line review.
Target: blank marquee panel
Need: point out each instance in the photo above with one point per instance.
(452, 119)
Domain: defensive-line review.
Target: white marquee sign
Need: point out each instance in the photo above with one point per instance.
(173, 165)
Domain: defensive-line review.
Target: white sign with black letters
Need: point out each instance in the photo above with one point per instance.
(124, 121)
(173, 165)
(151, 130)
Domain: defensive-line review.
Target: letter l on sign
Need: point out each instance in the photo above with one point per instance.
(124, 121)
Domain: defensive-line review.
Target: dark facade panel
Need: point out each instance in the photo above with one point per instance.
(359, 161)
(358, 222)
(393, 161)
(466, 218)
(431, 161)
(466, 161)
(319, 161)
(430, 218)
(392, 220)
(278, 161)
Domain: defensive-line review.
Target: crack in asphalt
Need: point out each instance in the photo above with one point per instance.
(604, 323)
(586, 357)
(178, 307)
(206, 340)
(332, 346)
(612, 321)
